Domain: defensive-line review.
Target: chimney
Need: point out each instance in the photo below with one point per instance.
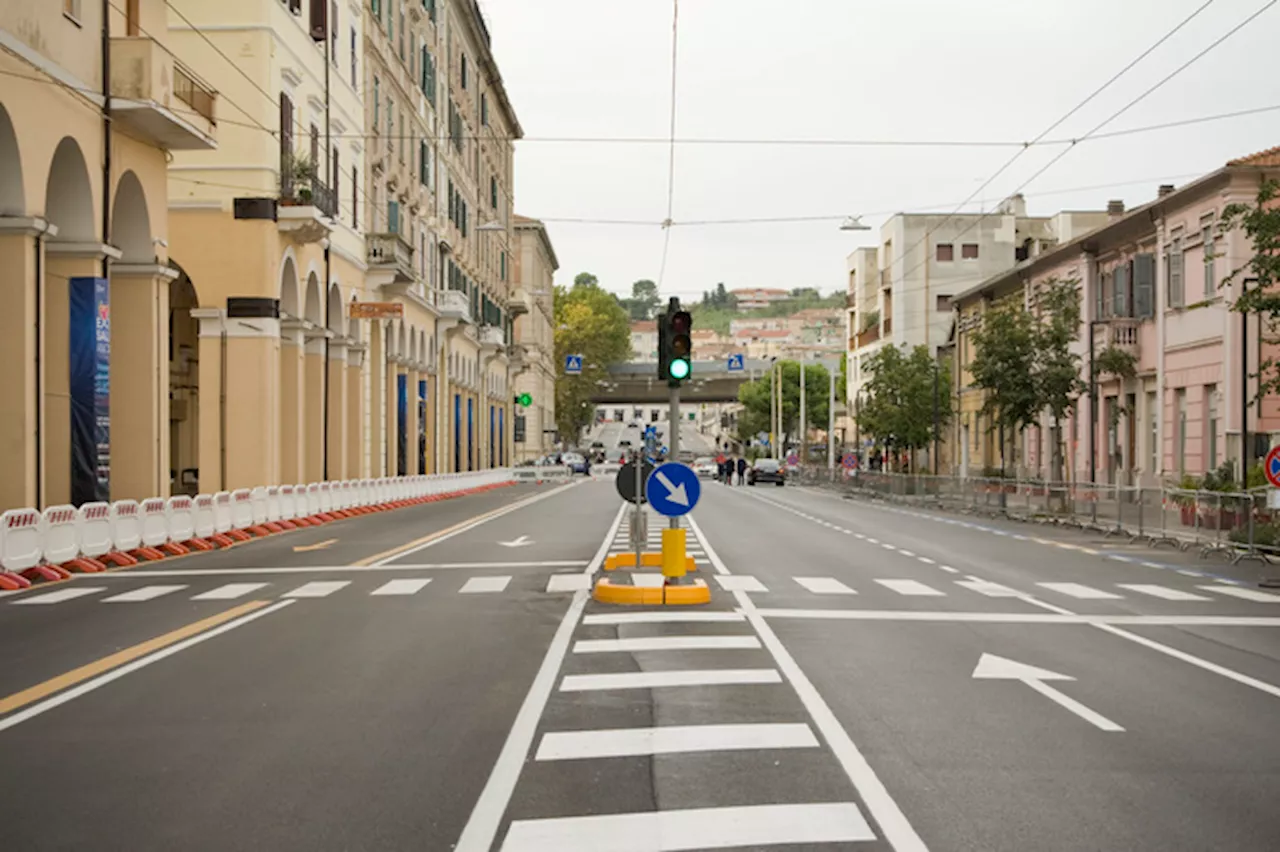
(1115, 209)
(1165, 189)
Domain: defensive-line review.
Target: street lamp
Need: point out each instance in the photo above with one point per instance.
(1246, 452)
(1093, 405)
(854, 223)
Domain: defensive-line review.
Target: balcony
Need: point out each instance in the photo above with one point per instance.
(519, 302)
(888, 325)
(157, 98)
(390, 253)
(454, 304)
(1119, 333)
(867, 336)
(492, 337)
(851, 300)
(307, 204)
(886, 279)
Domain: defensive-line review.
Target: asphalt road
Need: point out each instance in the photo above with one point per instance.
(866, 677)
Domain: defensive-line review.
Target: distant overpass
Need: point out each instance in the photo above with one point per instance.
(637, 381)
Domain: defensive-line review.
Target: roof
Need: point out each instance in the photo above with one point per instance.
(1269, 157)
(770, 333)
(759, 291)
(644, 326)
(524, 223)
(703, 333)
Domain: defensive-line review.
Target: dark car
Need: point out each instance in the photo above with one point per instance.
(766, 470)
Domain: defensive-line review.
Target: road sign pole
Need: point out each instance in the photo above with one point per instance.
(673, 545)
(638, 520)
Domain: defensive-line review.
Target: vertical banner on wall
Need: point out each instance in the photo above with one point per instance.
(422, 425)
(471, 425)
(492, 455)
(457, 432)
(502, 439)
(89, 364)
(402, 423)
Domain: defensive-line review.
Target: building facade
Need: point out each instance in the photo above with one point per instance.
(85, 235)
(533, 362)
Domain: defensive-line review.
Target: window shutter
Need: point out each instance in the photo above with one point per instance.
(1144, 279)
(1120, 284)
(1099, 297)
(393, 217)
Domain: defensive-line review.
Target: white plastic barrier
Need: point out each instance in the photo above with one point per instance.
(288, 505)
(326, 497)
(362, 492)
(20, 539)
(126, 525)
(222, 512)
(95, 529)
(60, 534)
(206, 516)
(273, 505)
(258, 505)
(313, 498)
(155, 522)
(241, 509)
(181, 513)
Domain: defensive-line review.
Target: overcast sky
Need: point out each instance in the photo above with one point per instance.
(991, 70)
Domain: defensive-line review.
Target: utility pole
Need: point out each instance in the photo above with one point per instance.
(831, 421)
(803, 426)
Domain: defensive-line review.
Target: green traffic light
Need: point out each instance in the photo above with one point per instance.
(679, 369)
(525, 399)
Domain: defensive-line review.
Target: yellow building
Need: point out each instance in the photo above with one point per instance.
(85, 134)
(534, 367)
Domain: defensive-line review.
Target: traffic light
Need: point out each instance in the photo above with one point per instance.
(675, 346)
(524, 399)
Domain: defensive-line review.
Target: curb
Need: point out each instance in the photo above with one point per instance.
(647, 560)
(612, 593)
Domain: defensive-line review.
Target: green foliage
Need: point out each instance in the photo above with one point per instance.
(588, 321)
(755, 398)
(871, 320)
(643, 304)
(898, 409)
(1113, 361)
(1261, 273)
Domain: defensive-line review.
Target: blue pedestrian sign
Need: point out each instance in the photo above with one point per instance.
(737, 363)
(573, 365)
(673, 489)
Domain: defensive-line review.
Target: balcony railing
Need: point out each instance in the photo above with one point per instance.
(492, 335)
(868, 336)
(156, 96)
(886, 278)
(888, 325)
(193, 93)
(390, 251)
(1120, 333)
(851, 300)
(454, 304)
(300, 186)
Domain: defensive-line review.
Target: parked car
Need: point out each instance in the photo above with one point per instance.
(766, 470)
(706, 466)
(575, 461)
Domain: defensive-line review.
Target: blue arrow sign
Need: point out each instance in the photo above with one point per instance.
(737, 363)
(573, 365)
(673, 489)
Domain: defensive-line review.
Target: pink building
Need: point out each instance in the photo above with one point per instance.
(1151, 283)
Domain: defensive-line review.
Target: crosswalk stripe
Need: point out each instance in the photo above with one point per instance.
(750, 826)
(401, 587)
(1076, 590)
(673, 739)
(229, 592)
(986, 587)
(1242, 592)
(740, 583)
(648, 580)
(669, 616)
(1162, 592)
(569, 582)
(145, 593)
(910, 587)
(665, 643)
(656, 680)
(317, 589)
(59, 596)
(482, 585)
(824, 585)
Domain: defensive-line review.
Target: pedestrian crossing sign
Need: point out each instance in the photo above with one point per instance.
(573, 365)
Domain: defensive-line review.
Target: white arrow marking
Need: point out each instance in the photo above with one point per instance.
(677, 494)
(520, 542)
(991, 667)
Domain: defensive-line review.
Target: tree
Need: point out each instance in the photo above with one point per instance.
(898, 409)
(1057, 368)
(643, 304)
(1261, 272)
(756, 396)
(585, 279)
(588, 322)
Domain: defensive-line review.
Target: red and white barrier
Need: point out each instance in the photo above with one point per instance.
(155, 530)
(22, 546)
(60, 534)
(181, 513)
(95, 537)
(241, 514)
(222, 519)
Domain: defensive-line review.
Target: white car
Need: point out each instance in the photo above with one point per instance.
(706, 466)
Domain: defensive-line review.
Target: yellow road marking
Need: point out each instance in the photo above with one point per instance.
(320, 545)
(97, 667)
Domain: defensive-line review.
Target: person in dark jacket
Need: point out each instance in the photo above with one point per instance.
(742, 471)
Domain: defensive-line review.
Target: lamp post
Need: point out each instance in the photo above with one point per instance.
(936, 417)
(1246, 452)
(1093, 405)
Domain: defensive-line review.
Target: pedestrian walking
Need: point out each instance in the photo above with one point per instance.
(742, 471)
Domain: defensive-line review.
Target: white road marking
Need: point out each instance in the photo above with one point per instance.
(665, 643)
(1243, 593)
(142, 662)
(656, 680)
(1162, 592)
(991, 590)
(910, 587)
(871, 540)
(824, 585)
(669, 616)
(1065, 617)
(672, 739)
(949, 569)
(146, 593)
(1076, 590)
(317, 589)
(569, 583)
(740, 584)
(60, 596)
(887, 546)
(646, 580)
(483, 585)
(400, 587)
(906, 552)
(1153, 564)
(991, 667)
(693, 828)
(346, 569)
(230, 591)
(482, 826)
(926, 560)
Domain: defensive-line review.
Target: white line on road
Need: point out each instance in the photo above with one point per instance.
(230, 591)
(1076, 590)
(911, 588)
(665, 643)
(117, 673)
(661, 617)
(569, 583)
(949, 569)
(343, 569)
(1066, 617)
(1162, 592)
(400, 587)
(317, 589)
(926, 560)
(486, 816)
(741, 584)
(146, 593)
(673, 739)
(59, 596)
(1243, 593)
(693, 828)
(824, 585)
(991, 590)
(656, 680)
(1089, 715)
(484, 585)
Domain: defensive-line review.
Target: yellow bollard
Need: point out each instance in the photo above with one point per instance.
(673, 558)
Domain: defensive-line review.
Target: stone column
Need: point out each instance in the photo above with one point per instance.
(377, 395)
(411, 419)
(337, 409)
(21, 256)
(355, 410)
(313, 404)
(292, 390)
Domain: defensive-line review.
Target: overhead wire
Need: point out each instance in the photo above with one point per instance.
(671, 148)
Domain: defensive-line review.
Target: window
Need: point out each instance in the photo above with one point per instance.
(333, 33)
(1144, 277)
(315, 148)
(335, 175)
(286, 143)
(355, 67)
(71, 8)
(502, 259)
(403, 124)
(430, 6)
(295, 6)
(391, 125)
(1106, 294)
(391, 20)
(393, 217)
(1173, 271)
(428, 82)
(1153, 433)
(462, 71)
(943, 304)
(402, 31)
(1211, 427)
(355, 197)
(484, 110)
(969, 251)
(1180, 409)
(493, 193)
(376, 6)
(413, 55)
(1120, 291)
(946, 252)
(377, 104)
(424, 162)
(1210, 279)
